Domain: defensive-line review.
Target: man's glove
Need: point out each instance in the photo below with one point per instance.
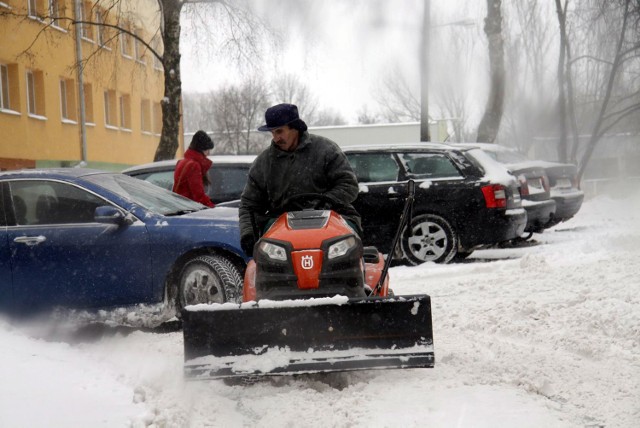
(247, 242)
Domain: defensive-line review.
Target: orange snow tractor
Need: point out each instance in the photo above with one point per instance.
(314, 300)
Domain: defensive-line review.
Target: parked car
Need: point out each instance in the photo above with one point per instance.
(83, 238)
(562, 179)
(228, 175)
(464, 199)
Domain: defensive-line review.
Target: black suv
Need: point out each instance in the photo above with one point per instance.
(227, 175)
(464, 199)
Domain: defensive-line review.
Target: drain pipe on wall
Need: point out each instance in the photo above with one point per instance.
(79, 71)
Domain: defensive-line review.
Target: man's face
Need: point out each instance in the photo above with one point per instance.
(285, 138)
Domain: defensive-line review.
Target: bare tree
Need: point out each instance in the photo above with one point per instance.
(397, 100)
(289, 89)
(237, 111)
(530, 102)
(608, 93)
(327, 117)
(367, 117)
(198, 111)
(490, 123)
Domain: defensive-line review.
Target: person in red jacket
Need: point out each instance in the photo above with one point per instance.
(190, 177)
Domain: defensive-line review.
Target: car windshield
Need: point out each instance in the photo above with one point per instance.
(147, 195)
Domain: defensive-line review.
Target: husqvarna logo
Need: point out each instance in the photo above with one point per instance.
(306, 262)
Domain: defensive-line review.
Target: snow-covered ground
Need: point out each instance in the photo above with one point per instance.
(547, 335)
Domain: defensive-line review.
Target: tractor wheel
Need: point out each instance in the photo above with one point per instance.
(430, 238)
(208, 279)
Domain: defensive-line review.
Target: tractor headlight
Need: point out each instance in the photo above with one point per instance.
(275, 252)
(340, 248)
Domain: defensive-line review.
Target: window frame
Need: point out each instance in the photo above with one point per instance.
(110, 111)
(5, 92)
(54, 7)
(31, 94)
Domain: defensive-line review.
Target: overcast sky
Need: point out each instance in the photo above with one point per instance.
(340, 49)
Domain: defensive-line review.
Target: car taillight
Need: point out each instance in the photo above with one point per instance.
(495, 196)
(524, 186)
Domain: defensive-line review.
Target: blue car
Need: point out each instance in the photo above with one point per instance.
(80, 238)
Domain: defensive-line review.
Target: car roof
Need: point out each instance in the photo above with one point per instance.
(52, 173)
(216, 159)
(486, 146)
(398, 147)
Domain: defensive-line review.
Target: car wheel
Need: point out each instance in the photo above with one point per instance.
(209, 279)
(432, 239)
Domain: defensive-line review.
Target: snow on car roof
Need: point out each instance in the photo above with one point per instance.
(397, 146)
(216, 159)
(52, 172)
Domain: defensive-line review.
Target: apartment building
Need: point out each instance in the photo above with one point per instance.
(45, 92)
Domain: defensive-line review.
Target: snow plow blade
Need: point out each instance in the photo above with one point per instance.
(307, 336)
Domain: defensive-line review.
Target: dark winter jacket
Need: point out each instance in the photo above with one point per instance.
(317, 165)
(188, 178)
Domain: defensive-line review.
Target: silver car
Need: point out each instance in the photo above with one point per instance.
(227, 175)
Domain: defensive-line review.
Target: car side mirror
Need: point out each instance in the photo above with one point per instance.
(111, 215)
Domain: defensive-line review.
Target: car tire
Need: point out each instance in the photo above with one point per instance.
(208, 279)
(431, 239)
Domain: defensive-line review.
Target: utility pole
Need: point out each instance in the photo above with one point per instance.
(79, 71)
(425, 135)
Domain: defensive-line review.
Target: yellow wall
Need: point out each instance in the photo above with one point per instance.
(46, 138)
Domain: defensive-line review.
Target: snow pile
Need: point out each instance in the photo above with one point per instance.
(545, 335)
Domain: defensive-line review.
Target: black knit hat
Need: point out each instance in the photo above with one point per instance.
(201, 142)
(281, 115)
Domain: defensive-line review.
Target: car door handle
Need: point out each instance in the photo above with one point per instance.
(30, 240)
(392, 193)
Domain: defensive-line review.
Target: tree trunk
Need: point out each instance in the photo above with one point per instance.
(562, 102)
(490, 123)
(171, 112)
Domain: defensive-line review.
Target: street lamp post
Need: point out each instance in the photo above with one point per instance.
(425, 135)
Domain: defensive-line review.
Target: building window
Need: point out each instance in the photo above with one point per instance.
(56, 9)
(86, 30)
(157, 118)
(68, 99)
(126, 45)
(5, 102)
(157, 64)
(110, 111)
(88, 102)
(138, 47)
(101, 30)
(125, 112)
(35, 10)
(35, 93)
(9, 90)
(145, 116)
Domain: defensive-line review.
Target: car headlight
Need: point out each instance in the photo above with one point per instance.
(275, 252)
(340, 248)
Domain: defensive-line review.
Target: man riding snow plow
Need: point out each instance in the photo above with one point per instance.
(297, 316)
(313, 298)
